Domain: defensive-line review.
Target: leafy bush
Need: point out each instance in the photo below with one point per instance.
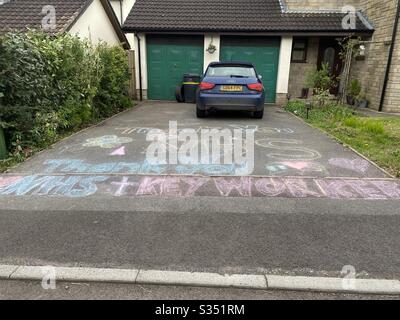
(321, 79)
(354, 88)
(112, 93)
(354, 91)
(54, 85)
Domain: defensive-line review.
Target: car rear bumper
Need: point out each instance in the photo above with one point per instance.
(253, 102)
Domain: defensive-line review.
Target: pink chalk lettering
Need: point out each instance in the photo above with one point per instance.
(123, 186)
(242, 185)
(194, 184)
(270, 187)
(6, 181)
(148, 186)
(337, 189)
(357, 165)
(171, 187)
(366, 189)
(300, 189)
(390, 188)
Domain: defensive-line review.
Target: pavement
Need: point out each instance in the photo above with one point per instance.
(376, 114)
(32, 290)
(310, 207)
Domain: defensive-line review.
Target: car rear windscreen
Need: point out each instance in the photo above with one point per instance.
(231, 71)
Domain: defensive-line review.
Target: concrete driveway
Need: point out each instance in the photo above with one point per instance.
(284, 146)
(311, 206)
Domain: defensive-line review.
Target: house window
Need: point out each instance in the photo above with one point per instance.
(299, 53)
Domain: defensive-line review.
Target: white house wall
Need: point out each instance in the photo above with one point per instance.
(285, 55)
(143, 48)
(126, 8)
(214, 39)
(95, 25)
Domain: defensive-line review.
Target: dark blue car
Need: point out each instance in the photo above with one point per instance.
(231, 86)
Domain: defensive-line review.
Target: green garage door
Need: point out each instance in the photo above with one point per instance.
(262, 52)
(168, 58)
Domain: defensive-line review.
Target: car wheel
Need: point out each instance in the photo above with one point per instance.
(179, 94)
(200, 113)
(258, 114)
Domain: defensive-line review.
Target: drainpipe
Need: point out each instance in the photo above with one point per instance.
(121, 12)
(140, 67)
(390, 58)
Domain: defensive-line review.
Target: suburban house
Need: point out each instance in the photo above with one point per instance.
(90, 19)
(283, 38)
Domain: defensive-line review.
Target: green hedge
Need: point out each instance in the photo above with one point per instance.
(53, 85)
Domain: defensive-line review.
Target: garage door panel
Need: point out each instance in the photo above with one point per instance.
(261, 51)
(170, 57)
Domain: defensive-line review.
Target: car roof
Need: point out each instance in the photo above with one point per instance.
(230, 63)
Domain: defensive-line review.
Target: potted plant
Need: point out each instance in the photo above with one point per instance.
(320, 80)
(362, 100)
(353, 92)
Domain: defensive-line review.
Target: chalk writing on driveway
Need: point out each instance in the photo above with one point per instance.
(198, 186)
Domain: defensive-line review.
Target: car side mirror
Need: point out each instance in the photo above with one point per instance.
(260, 77)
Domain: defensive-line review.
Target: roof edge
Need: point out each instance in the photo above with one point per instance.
(364, 19)
(75, 17)
(111, 16)
(255, 32)
(115, 22)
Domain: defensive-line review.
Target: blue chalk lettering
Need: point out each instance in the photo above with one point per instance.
(57, 186)
(25, 186)
(88, 186)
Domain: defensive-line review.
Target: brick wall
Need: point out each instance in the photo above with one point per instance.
(392, 101)
(371, 71)
(299, 71)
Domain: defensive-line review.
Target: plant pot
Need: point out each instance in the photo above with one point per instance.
(363, 104)
(304, 93)
(351, 101)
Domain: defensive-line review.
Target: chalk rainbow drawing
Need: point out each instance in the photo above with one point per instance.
(107, 142)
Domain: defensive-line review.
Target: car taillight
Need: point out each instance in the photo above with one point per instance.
(255, 87)
(207, 86)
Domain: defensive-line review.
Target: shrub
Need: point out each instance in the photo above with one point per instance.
(24, 73)
(112, 93)
(23, 92)
(320, 79)
(76, 73)
(354, 90)
(52, 85)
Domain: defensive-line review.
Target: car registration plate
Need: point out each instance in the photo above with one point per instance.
(232, 88)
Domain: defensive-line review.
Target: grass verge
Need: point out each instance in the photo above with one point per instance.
(376, 138)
